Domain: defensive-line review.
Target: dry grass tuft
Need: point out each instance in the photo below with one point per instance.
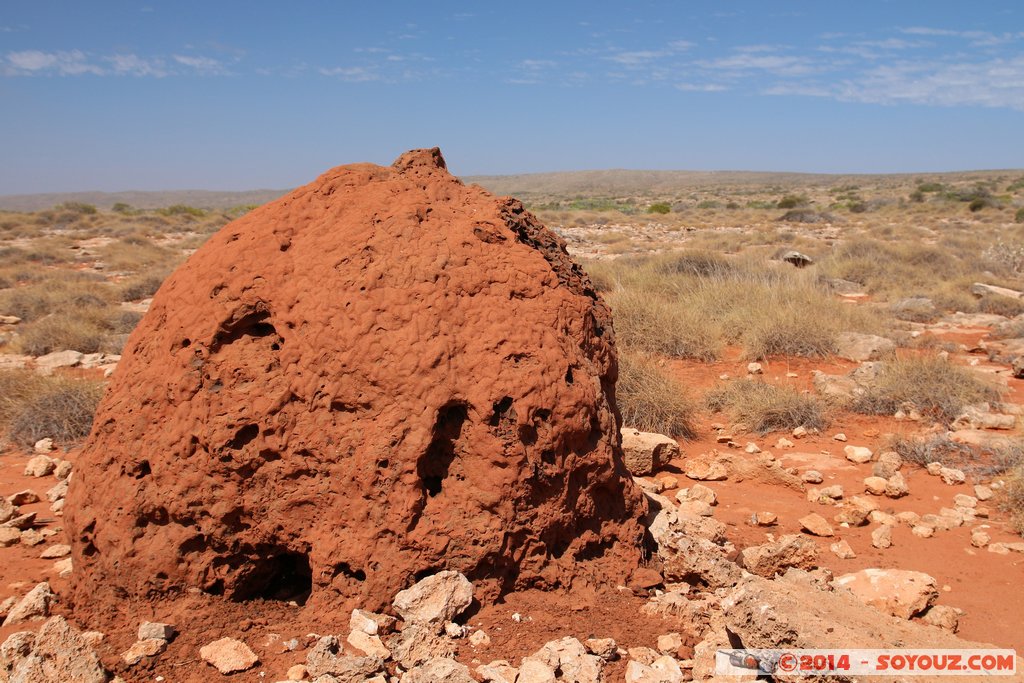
(652, 400)
(766, 407)
(934, 387)
(34, 407)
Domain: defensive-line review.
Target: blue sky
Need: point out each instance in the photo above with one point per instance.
(240, 95)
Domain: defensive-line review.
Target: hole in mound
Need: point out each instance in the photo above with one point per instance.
(282, 575)
(250, 325)
(434, 464)
(568, 375)
(500, 408)
(244, 436)
(141, 469)
(345, 569)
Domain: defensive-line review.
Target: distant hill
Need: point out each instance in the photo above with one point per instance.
(204, 199)
(612, 182)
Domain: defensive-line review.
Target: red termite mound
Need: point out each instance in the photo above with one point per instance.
(383, 374)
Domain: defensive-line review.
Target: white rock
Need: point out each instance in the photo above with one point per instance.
(436, 599)
(43, 446)
(35, 605)
(40, 466)
(858, 454)
(952, 476)
(228, 655)
(646, 452)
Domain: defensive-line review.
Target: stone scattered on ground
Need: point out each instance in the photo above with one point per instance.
(816, 525)
(228, 655)
(898, 592)
(646, 452)
(435, 600)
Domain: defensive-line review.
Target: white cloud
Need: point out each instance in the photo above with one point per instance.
(744, 62)
(351, 74)
(33, 62)
(133, 65)
(202, 65)
(700, 87)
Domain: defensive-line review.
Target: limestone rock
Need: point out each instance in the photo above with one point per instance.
(952, 476)
(875, 485)
(34, 606)
(498, 671)
(140, 649)
(570, 658)
(856, 346)
(40, 466)
(899, 592)
(769, 559)
(436, 599)
(437, 670)
(156, 630)
(417, 643)
(842, 550)
(888, 464)
(882, 537)
(57, 653)
(858, 454)
(228, 655)
(646, 452)
(816, 525)
(896, 486)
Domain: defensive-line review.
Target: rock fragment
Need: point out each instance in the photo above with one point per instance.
(228, 655)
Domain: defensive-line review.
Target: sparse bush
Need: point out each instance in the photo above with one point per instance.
(121, 207)
(791, 202)
(766, 407)
(77, 207)
(806, 216)
(182, 210)
(61, 332)
(659, 207)
(934, 387)
(694, 262)
(646, 322)
(1012, 500)
(1019, 216)
(58, 408)
(142, 286)
(651, 400)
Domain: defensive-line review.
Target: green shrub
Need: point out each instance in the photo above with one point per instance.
(659, 207)
(1019, 216)
(766, 407)
(651, 400)
(182, 210)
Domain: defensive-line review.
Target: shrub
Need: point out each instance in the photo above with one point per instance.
(646, 322)
(61, 332)
(77, 207)
(651, 400)
(121, 207)
(979, 203)
(766, 407)
(934, 387)
(659, 207)
(58, 408)
(806, 216)
(1019, 216)
(1012, 501)
(182, 210)
(791, 202)
(142, 286)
